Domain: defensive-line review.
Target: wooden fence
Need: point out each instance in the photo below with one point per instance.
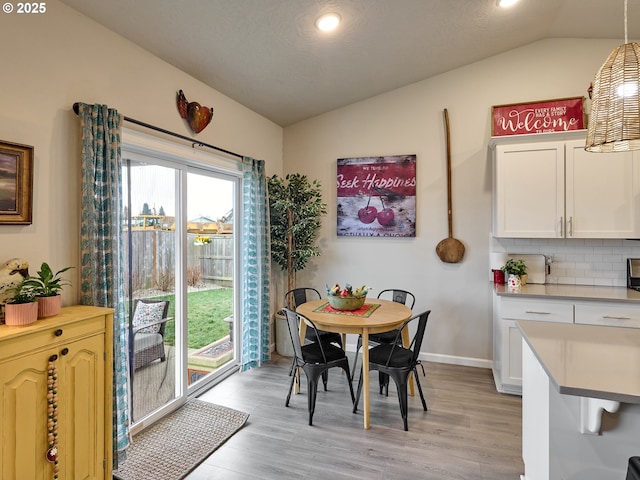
(153, 260)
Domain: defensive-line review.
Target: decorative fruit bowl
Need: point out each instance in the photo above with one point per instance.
(346, 298)
(347, 303)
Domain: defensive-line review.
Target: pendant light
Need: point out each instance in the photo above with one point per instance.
(614, 123)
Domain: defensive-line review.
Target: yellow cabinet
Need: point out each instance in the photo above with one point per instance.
(79, 341)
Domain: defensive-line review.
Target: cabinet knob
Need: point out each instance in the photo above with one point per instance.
(58, 332)
(64, 351)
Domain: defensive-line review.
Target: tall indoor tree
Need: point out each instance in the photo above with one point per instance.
(296, 208)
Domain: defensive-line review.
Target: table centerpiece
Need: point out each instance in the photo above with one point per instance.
(346, 299)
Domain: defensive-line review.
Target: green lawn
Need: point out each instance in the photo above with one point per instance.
(207, 310)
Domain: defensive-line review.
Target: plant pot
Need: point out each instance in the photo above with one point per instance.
(49, 306)
(514, 282)
(20, 314)
(523, 279)
(283, 338)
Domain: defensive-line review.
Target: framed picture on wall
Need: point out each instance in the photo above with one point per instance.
(377, 196)
(16, 184)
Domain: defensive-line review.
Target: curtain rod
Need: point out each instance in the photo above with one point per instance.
(76, 109)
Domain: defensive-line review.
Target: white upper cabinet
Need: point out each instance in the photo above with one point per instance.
(550, 187)
(601, 193)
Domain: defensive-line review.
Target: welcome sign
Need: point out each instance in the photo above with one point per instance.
(546, 116)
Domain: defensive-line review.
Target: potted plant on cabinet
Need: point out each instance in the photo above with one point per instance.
(514, 270)
(295, 211)
(22, 308)
(47, 287)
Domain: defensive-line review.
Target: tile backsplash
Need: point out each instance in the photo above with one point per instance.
(577, 261)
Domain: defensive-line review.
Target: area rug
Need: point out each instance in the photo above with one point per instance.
(175, 445)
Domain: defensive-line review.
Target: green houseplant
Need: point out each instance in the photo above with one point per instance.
(516, 271)
(21, 309)
(295, 211)
(47, 287)
(514, 267)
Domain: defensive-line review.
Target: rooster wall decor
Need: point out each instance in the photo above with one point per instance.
(198, 116)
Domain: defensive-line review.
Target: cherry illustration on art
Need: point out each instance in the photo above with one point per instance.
(369, 213)
(386, 215)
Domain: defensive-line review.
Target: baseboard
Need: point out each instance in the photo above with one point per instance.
(454, 360)
(440, 358)
(433, 357)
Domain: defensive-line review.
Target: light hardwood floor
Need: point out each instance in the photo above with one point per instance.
(470, 432)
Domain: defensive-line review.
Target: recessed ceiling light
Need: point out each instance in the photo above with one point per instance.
(507, 3)
(328, 22)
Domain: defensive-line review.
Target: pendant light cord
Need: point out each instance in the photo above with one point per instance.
(625, 23)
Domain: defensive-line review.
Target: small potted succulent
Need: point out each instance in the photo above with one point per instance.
(47, 287)
(514, 270)
(21, 309)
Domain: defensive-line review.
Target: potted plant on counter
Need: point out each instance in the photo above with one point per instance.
(47, 287)
(514, 270)
(21, 309)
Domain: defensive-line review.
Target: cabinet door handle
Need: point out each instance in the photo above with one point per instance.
(614, 317)
(570, 228)
(562, 226)
(537, 313)
(64, 351)
(58, 332)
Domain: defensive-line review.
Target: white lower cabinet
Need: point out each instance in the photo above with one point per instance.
(608, 314)
(507, 339)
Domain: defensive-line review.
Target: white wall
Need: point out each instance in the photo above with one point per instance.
(52, 60)
(410, 121)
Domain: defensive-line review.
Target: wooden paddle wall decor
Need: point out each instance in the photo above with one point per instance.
(450, 250)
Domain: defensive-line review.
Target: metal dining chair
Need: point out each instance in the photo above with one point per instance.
(397, 295)
(395, 361)
(314, 358)
(298, 296)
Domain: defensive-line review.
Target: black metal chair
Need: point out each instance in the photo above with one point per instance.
(314, 359)
(393, 360)
(397, 295)
(298, 296)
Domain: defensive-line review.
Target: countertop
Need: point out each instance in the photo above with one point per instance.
(588, 360)
(572, 292)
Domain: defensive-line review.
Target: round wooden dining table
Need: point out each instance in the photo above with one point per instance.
(382, 316)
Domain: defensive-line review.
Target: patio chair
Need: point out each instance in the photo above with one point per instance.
(148, 324)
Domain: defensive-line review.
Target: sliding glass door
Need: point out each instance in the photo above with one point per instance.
(181, 262)
(210, 273)
(151, 284)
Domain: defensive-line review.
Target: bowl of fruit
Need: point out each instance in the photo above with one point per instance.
(346, 299)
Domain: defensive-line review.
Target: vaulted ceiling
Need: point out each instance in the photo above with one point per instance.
(268, 55)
